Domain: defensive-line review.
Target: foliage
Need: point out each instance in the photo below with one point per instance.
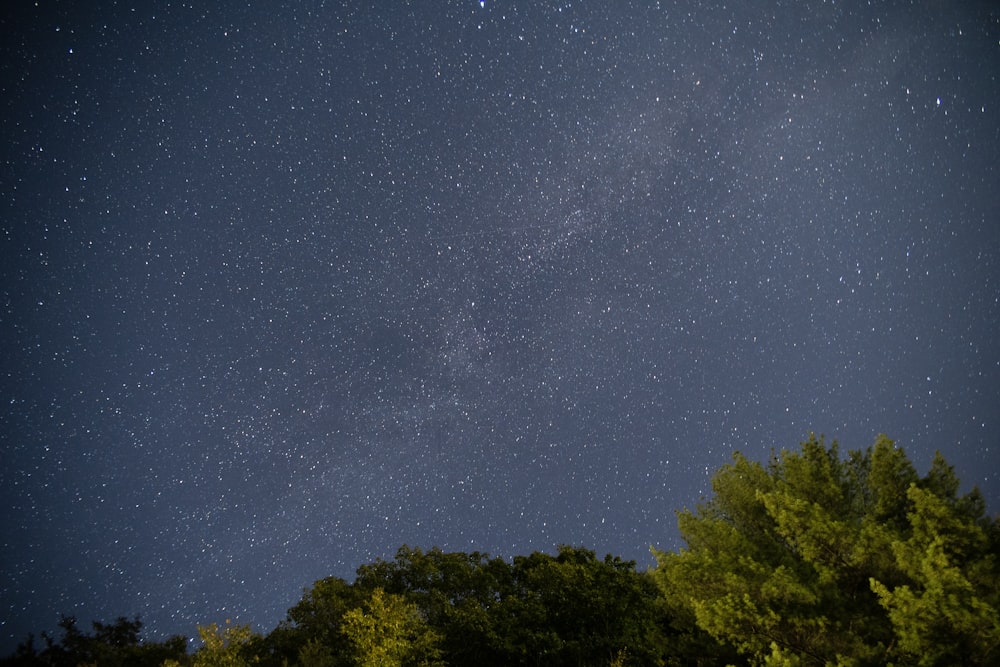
(567, 609)
(583, 610)
(949, 611)
(112, 645)
(457, 592)
(817, 560)
(811, 559)
(226, 647)
(391, 632)
(314, 654)
(314, 625)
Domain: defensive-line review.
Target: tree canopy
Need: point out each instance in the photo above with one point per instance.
(831, 561)
(116, 644)
(809, 559)
(470, 609)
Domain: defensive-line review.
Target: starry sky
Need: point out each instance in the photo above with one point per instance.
(287, 285)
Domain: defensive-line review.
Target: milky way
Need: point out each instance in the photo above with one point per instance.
(290, 285)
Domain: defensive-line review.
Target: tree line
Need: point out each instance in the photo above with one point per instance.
(809, 559)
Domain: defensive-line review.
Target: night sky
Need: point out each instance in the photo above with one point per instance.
(288, 285)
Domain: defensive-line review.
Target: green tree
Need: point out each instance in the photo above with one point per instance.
(567, 609)
(226, 647)
(111, 645)
(388, 631)
(315, 654)
(458, 593)
(828, 561)
(314, 625)
(948, 613)
(576, 609)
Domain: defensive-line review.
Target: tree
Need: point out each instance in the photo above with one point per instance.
(111, 645)
(949, 612)
(574, 609)
(225, 647)
(315, 654)
(313, 625)
(388, 631)
(818, 560)
(567, 609)
(458, 593)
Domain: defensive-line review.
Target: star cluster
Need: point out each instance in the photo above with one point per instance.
(287, 285)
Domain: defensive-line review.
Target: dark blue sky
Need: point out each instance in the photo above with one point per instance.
(287, 285)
